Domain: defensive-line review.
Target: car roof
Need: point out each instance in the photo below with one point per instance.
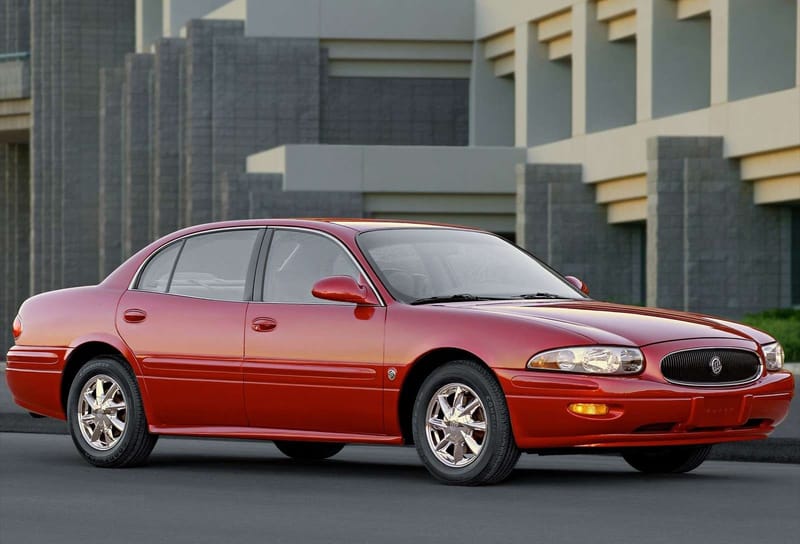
(363, 225)
(356, 224)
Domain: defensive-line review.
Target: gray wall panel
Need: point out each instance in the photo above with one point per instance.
(395, 111)
(563, 225)
(265, 93)
(710, 249)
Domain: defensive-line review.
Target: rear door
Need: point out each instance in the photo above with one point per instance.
(184, 320)
(311, 364)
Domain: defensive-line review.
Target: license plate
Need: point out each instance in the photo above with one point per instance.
(716, 411)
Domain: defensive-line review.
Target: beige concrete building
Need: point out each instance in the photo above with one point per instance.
(651, 147)
(709, 85)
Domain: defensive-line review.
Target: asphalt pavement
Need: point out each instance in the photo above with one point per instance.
(213, 491)
(783, 446)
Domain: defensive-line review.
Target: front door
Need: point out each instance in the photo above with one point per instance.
(311, 364)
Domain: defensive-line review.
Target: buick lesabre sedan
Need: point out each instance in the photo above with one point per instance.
(319, 333)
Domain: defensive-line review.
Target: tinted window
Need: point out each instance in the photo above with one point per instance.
(297, 260)
(214, 265)
(155, 276)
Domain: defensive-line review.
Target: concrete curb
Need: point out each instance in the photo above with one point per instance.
(771, 450)
(783, 448)
(24, 423)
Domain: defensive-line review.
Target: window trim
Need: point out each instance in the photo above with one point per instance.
(251, 269)
(262, 266)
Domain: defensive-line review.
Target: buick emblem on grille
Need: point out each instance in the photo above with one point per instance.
(716, 365)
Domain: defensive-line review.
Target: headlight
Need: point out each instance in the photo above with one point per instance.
(773, 355)
(590, 360)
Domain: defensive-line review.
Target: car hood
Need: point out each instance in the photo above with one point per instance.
(619, 324)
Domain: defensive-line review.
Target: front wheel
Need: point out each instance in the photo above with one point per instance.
(667, 460)
(106, 417)
(308, 451)
(461, 426)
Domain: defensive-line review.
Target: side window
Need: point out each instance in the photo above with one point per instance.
(155, 276)
(297, 260)
(214, 265)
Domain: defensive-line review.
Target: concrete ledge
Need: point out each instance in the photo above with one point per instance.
(381, 169)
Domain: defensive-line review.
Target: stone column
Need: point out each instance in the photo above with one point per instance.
(110, 170)
(560, 222)
(170, 54)
(137, 102)
(198, 141)
(709, 248)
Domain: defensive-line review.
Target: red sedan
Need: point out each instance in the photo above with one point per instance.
(315, 334)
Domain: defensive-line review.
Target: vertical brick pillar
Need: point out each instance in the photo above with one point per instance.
(559, 221)
(70, 43)
(170, 55)
(110, 212)
(137, 139)
(709, 248)
(198, 77)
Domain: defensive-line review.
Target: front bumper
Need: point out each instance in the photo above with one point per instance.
(645, 410)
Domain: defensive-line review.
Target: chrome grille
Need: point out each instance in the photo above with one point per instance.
(695, 367)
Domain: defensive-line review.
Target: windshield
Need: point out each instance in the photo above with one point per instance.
(429, 265)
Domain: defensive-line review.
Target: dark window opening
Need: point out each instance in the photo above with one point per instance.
(795, 253)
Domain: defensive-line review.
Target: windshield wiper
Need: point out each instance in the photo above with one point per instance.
(448, 298)
(462, 297)
(533, 296)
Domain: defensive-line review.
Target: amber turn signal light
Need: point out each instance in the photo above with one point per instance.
(16, 328)
(585, 409)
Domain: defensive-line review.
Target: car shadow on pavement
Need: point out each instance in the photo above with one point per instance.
(623, 476)
(391, 471)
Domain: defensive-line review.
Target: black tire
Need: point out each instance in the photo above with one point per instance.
(308, 451)
(675, 459)
(498, 454)
(134, 444)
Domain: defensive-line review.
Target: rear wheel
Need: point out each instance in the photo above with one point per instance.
(461, 426)
(308, 451)
(674, 459)
(106, 417)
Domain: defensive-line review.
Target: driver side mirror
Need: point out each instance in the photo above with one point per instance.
(582, 287)
(343, 289)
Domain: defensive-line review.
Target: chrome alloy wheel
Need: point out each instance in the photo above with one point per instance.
(456, 425)
(102, 412)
